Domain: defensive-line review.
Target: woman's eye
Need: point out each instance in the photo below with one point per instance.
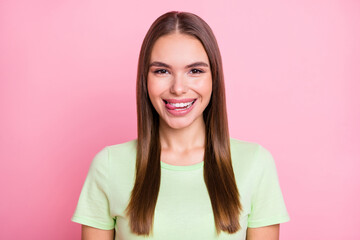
(161, 71)
(196, 71)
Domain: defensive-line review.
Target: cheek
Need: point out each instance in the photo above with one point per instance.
(207, 91)
(157, 85)
(205, 87)
(209, 87)
(151, 87)
(154, 90)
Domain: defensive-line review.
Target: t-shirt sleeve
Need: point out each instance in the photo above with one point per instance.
(267, 203)
(93, 207)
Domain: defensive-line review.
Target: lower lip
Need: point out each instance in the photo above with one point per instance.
(182, 112)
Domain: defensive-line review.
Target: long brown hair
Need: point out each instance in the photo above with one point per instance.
(218, 172)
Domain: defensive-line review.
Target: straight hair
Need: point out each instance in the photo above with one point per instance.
(218, 171)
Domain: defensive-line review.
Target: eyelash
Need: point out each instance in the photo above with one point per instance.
(197, 71)
(164, 71)
(161, 71)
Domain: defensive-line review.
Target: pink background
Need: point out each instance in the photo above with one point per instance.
(67, 89)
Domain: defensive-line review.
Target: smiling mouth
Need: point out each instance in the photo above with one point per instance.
(178, 105)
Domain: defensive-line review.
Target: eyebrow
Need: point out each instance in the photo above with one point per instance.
(195, 64)
(159, 64)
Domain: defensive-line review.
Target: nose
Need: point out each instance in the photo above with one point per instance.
(178, 85)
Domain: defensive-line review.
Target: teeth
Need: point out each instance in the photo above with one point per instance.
(179, 109)
(181, 104)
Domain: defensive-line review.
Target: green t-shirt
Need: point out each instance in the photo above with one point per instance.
(183, 209)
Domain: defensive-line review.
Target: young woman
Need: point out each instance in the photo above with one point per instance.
(183, 178)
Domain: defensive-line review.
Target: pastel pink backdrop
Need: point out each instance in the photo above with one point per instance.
(67, 75)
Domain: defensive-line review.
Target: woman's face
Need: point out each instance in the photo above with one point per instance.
(179, 80)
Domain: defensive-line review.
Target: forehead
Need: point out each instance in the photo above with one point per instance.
(178, 49)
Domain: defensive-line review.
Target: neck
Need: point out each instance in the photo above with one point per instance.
(184, 139)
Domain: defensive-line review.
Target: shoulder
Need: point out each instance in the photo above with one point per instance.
(126, 148)
(253, 150)
(122, 160)
(113, 153)
(249, 156)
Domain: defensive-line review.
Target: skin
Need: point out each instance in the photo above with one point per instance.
(180, 69)
(271, 232)
(90, 233)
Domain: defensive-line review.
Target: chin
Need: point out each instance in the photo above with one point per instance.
(177, 126)
(180, 124)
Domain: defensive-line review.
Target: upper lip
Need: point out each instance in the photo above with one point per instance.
(184, 100)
